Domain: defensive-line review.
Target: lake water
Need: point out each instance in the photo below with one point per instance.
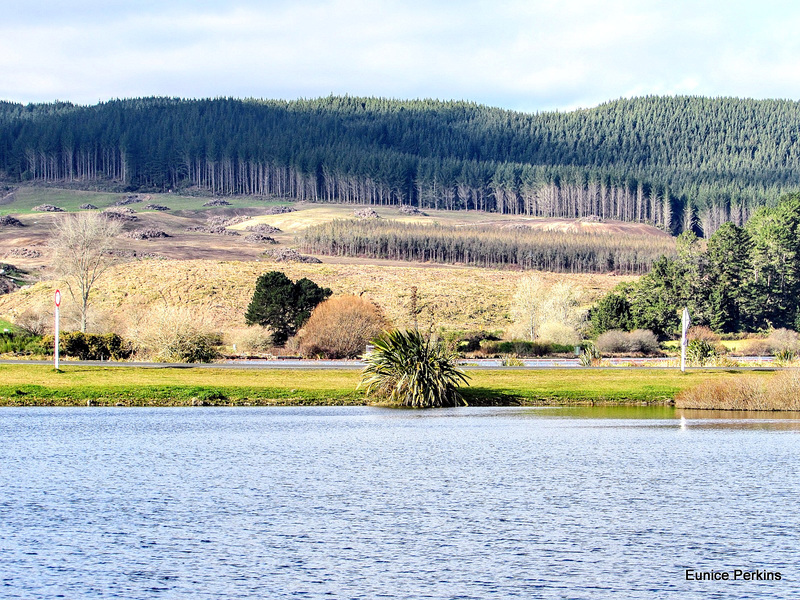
(373, 503)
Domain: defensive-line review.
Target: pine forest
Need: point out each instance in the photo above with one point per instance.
(679, 163)
(492, 247)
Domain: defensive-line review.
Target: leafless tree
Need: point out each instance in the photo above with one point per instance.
(82, 247)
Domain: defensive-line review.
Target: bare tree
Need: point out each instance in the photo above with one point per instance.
(537, 303)
(82, 251)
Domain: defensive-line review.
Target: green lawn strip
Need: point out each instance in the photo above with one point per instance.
(25, 385)
(75, 385)
(586, 386)
(26, 198)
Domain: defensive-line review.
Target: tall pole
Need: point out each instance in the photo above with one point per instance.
(57, 328)
(685, 324)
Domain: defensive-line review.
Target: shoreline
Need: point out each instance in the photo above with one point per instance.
(79, 385)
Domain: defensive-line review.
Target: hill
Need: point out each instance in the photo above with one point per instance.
(219, 291)
(674, 162)
(214, 274)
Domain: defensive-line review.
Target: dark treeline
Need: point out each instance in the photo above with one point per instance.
(745, 279)
(522, 248)
(678, 162)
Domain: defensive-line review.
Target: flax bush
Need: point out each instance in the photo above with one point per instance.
(408, 369)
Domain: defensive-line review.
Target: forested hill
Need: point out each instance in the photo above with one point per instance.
(671, 161)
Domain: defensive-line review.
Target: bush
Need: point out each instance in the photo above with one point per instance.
(610, 313)
(560, 334)
(754, 348)
(91, 346)
(639, 341)
(176, 334)
(22, 344)
(700, 332)
(35, 321)
(413, 371)
(196, 347)
(341, 328)
(614, 341)
(467, 341)
(253, 341)
(782, 340)
(642, 340)
(700, 352)
(520, 348)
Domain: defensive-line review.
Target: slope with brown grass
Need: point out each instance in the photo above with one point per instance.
(456, 298)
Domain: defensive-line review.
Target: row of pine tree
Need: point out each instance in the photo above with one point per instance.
(679, 163)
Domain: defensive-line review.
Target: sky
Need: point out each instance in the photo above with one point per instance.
(529, 56)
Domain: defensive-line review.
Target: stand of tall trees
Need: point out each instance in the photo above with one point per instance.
(746, 279)
(681, 163)
(523, 248)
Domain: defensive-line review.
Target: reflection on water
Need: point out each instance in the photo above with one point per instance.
(333, 502)
(687, 418)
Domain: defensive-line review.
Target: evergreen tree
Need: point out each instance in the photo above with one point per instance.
(283, 305)
(775, 284)
(613, 311)
(729, 272)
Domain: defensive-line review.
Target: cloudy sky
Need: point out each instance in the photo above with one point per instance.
(524, 55)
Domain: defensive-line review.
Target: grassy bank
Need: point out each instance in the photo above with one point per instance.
(30, 385)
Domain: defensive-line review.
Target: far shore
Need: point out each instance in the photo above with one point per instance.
(82, 385)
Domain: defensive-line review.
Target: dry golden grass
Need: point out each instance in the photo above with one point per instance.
(308, 215)
(745, 392)
(215, 275)
(452, 297)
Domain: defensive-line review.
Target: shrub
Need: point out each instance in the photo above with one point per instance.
(641, 341)
(559, 333)
(176, 334)
(467, 341)
(413, 371)
(613, 341)
(22, 344)
(35, 321)
(91, 346)
(754, 348)
(341, 327)
(781, 340)
(700, 332)
(519, 348)
(253, 341)
(611, 312)
(589, 355)
(700, 352)
(784, 357)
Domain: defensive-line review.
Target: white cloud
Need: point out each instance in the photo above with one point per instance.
(518, 54)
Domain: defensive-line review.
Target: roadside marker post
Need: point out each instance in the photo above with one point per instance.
(57, 300)
(686, 322)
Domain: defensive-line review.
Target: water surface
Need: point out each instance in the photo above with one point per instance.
(331, 502)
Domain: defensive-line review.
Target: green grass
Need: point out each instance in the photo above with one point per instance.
(136, 386)
(27, 197)
(586, 386)
(28, 385)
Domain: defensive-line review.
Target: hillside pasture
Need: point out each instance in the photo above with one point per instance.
(455, 298)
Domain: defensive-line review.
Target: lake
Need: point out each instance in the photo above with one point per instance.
(357, 502)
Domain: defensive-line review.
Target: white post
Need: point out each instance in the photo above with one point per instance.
(685, 323)
(57, 328)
